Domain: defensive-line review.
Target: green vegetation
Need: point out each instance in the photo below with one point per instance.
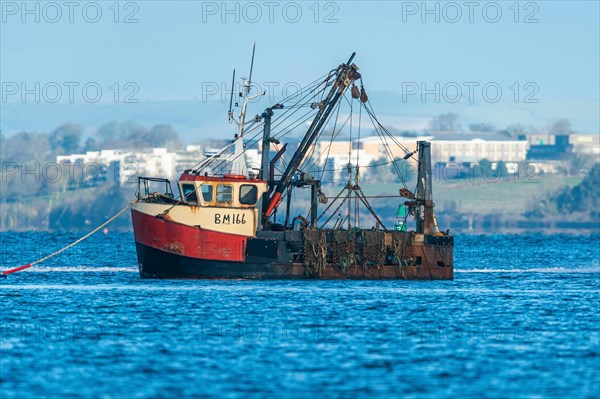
(31, 198)
(28, 158)
(38, 194)
(511, 196)
(573, 203)
(79, 210)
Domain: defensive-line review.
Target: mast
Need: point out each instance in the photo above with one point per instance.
(266, 144)
(239, 165)
(247, 83)
(347, 73)
(425, 222)
(264, 161)
(230, 113)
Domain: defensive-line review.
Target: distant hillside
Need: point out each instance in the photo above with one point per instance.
(583, 197)
(580, 201)
(197, 119)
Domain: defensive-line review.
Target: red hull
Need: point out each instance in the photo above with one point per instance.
(168, 249)
(193, 242)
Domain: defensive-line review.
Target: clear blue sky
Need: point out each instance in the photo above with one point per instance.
(177, 46)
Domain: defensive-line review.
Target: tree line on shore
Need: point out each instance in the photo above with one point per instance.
(36, 194)
(33, 201)
(580, 202)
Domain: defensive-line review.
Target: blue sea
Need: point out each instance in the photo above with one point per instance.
(520, 320)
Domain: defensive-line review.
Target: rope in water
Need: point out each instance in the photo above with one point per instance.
(17, 269)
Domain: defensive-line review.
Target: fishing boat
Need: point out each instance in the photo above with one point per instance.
(229, 219)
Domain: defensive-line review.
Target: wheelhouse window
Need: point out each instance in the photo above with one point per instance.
(224, 193)
(248, 194)
(207, 191)
(189, 193)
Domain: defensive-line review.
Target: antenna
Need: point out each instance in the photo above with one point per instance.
(230, 113)
(251, 66)
(244, 94)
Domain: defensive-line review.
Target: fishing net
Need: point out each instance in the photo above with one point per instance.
(315, 251)
(373, 251)
(402, 247)
(342, 247)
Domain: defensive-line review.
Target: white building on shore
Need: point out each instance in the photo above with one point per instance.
(474, 146)
(446, 147)
(125, 165)
(330, 156)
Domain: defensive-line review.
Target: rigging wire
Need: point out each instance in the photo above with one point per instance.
(319, 134)
(356, 210)
(318, 159)
(387, 132)
(333, 135)
(222, 163)
(388, 151)
(292, 118)
(349, 166)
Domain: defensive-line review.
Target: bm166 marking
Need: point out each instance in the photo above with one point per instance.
(234, 218)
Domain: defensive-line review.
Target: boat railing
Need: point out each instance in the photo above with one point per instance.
(150, 187)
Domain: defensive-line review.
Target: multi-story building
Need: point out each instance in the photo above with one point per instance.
(469, 147)
(585, 144)
(552, 147)
(329, 159)
(457, 147)
(124, 165)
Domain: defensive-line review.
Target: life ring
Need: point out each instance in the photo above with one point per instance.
(230, 176)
